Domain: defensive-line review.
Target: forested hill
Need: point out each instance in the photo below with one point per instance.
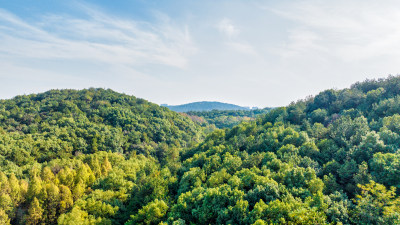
(99, 157)
(63, 123)
(329, 159)
(205, 106)
(75, 157)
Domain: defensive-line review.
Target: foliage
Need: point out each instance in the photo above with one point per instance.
(99, 157)
(224, 118)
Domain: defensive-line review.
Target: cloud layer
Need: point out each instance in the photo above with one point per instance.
(245, 52)
(98, 37)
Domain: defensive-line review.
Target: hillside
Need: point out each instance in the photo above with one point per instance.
(63, 123)
(204, 106)
(99, 157)
(330, 159)
(56, 143)
(225, 118)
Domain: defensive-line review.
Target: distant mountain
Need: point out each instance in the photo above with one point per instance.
(204, 106)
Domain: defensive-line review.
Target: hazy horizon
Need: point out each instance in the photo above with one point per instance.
(247, 53)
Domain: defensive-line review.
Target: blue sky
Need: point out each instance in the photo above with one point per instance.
(251, 53)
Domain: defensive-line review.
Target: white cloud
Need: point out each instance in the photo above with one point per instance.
(347, 30)
(98, 37)
(94, 50)
(232, 39)
(226, 27)
(242, 47)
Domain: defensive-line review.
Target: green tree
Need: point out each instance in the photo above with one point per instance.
(6, 204)
(106, 166)
(35, 188)
(376, 205)
(16, 193)
(66, 200)
(35, 213)
(78, 190)
(386, 168)
(151, 213)
(4, 217)
(52, 201)
(77, 217)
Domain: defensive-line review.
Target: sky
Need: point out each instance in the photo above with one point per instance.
(250, 53)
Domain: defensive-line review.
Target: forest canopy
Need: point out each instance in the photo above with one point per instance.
(224, 118)
(99, 157)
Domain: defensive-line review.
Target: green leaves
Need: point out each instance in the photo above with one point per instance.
(99, 157)
(35, 213)
(150, 214)
(376, 205)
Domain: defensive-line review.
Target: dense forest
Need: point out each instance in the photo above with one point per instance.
(224, 118)
(65, 152)
(98, 157)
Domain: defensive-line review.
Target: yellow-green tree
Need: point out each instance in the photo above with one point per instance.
(4, 218)
(152, 213)
(35, 213)
(376, 205)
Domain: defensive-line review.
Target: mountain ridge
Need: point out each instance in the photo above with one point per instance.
(205, 106)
